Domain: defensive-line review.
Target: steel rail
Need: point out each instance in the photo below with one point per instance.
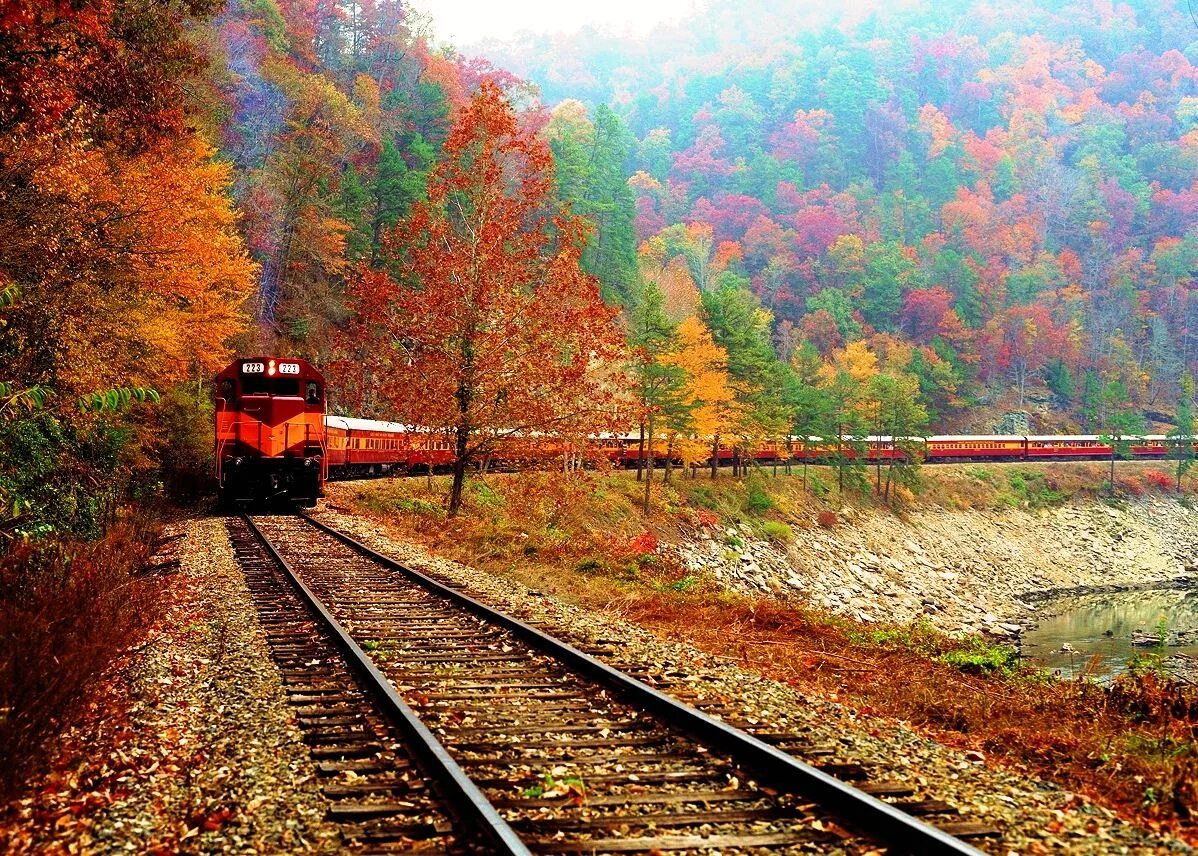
(465, 798)
(780, 770)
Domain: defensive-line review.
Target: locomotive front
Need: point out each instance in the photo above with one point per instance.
(270, 431)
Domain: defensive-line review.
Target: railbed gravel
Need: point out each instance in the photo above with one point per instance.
(1035, 816)
(214, 760)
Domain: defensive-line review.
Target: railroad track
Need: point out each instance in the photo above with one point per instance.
(526, 744)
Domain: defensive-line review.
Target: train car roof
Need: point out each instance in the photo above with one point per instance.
(352, 423)
(964, 438)
(1046, 438)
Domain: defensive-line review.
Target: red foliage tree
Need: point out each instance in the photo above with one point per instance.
(923, 310)
(484, 323)
(1022, 341)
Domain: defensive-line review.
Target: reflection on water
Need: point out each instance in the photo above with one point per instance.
(1102, 625)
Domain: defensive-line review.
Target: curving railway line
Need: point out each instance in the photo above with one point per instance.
(442, 725)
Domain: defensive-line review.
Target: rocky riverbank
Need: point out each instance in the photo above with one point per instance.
(972, 571)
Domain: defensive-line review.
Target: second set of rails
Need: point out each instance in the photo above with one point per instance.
(442, 725)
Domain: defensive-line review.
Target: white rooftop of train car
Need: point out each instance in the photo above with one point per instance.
(965, 438)
(352, 423)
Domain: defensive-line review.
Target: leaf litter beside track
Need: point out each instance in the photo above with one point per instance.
(187, 745)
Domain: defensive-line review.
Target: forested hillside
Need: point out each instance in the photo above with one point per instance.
(965, 205)
(1000, 200)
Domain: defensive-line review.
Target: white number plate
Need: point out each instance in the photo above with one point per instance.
(252, 368)
(289, 368)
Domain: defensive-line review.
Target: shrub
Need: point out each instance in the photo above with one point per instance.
(1032, 490)
(756, 499)
(1159, 480)
(185, 414)
(707, 519)
(980, 658)
(828, 519)
(1133, 487)
(75, 606)
(777, 532)
(589, 565)
(705, 497)
(817, 486)
(482, 495)
(683, 585)
(644, 543)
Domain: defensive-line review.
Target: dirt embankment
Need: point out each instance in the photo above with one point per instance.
(973, 570)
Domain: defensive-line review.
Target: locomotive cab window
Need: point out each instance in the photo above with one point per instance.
(226, 389)
(313, 392)
(260, 385)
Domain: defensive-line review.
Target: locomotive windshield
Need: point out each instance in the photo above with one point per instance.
(263, 385)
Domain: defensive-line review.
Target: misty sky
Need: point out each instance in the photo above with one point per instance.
(466, 21)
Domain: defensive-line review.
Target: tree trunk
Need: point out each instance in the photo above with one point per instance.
(669, 461)
(715, 455)
(461, 444)
(640, 457)
(840, 462)
(648, 467)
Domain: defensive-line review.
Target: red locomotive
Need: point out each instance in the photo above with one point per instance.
(274, 439)
(270, 431)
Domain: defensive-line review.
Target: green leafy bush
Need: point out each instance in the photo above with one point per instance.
(757, 500)
(981, 658)
(777, 531)
(185, 414)
(1032, 490)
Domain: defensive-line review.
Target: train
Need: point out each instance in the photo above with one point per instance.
(275, 439)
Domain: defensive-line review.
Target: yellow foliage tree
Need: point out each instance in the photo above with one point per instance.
(708, 391)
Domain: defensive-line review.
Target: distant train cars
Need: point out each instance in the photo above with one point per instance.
(274, 439)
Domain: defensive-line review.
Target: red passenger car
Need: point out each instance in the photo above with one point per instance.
(364, 447)
(270, 434)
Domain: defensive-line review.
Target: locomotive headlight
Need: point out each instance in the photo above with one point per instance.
(270, 368)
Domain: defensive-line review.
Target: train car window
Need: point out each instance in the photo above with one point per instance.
(313, 392)
(226, 388)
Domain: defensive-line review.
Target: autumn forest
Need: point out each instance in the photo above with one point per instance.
(895, 221)
(767, 222)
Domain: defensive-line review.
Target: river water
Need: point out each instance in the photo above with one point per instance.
(1099, 627)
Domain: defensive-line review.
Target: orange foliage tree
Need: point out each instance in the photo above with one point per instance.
(483, 322)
